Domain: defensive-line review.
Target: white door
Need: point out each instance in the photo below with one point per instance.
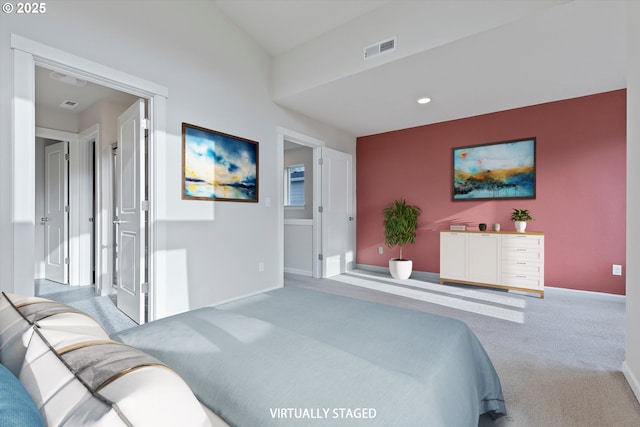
(131, 221)
(337, 215)
(56, 213)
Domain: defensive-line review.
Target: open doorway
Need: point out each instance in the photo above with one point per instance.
(332, 209)
(29, 54)
(298, 208)
(74, 180)
(52, 199)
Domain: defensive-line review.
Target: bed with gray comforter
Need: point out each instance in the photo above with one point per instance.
(295, 357)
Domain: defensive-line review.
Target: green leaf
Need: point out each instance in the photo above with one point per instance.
(400, 223)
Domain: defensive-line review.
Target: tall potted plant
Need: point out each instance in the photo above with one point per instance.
(400, 223)
(520, 218)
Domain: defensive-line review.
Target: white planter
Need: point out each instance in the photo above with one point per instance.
(520, 226)
(400, 269)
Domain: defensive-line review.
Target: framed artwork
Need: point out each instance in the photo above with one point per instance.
(500, 170)
(217, 166)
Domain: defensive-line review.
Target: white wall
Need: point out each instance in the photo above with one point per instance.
(631, 366)
(298, 246)
(57, 119)
(217, 78)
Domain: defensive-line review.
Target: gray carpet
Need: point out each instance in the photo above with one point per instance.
(84, 298)
(559, 359)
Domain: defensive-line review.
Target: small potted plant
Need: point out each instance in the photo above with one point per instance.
(520, 218)
(400, 223)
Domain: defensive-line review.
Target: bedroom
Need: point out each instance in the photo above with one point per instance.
(199, 270)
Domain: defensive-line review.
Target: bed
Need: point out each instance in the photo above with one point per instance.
(300, 357)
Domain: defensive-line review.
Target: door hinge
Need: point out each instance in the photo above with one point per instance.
(320, 209)
(144, 205)
(66, 157)
(320, 161)
(66, 260)
(144, 124)
(144, 287)
(320, 257)
(66, 208)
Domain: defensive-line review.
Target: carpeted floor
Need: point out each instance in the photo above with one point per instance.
(84, 298)
(559, 358)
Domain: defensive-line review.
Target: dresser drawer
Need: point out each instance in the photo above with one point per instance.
(522, 241)
(521, 267)
(523, 280)
(523, 254)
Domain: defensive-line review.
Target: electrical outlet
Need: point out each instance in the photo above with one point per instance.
(616, 270)
(380, 250)
(261, 267)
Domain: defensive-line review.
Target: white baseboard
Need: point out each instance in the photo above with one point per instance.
(599, 295)
(298, 271)
(631, 379)
(246, 295)
(435, 278)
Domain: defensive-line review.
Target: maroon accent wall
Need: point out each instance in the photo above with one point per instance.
(580, 173)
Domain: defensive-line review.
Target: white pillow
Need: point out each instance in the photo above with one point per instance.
(78, 380)
(18, 313)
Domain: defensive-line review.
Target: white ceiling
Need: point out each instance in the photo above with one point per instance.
(281, 25)
(470, 56)
(538, 52)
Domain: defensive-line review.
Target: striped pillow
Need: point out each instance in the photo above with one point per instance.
(18, 314)
(78, 380)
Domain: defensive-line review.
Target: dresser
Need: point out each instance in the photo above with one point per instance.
(507, 260)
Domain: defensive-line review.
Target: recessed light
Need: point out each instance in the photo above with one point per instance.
(424, 100)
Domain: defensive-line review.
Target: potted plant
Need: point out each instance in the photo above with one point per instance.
(520, 218)
(400, 223)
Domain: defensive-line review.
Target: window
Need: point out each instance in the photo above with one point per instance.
(294, 185)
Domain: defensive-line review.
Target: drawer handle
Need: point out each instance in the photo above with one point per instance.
(521, 250)
(521, 263)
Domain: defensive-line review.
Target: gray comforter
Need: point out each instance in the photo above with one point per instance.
(304, 358)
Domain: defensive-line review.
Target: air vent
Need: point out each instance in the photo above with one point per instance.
(380, 48)
(69, 105)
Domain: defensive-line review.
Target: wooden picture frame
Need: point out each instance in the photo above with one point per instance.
(217, 166)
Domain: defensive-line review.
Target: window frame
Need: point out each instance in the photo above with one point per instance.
(287, 186)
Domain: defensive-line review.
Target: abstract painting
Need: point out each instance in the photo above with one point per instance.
(217, 166)
(500, 170)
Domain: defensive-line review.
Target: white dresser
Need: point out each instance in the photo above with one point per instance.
(505, 259)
